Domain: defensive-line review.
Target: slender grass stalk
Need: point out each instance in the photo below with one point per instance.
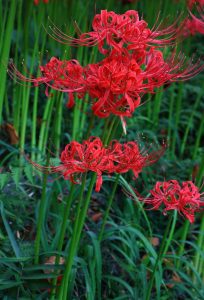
(17, 90)
(198, 260)
(166, 241)
(199, 135)
(110, 201)
(45, 127)
(157, 106)
(149, 106)
(34, 123)
(34, 114)
(3, 19)
(177, 117)
(185, 230)
(41, 213)
(5, 53)
(57, 124)
(170, 118)
(200, 176)
(26, 89)
(69, 200)
(183, 145)
(106, 136)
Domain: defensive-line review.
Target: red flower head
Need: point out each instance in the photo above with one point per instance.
(65, 75)
(117, 82)
(185, 198)
(92, 155)
(114, 30)
(79, 158)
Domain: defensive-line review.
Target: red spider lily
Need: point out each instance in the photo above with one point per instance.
(185, 198)
(117, 31)
(36, 2)
(92, 155)
(65, 75)
(117, 82)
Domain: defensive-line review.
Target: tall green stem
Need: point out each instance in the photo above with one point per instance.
(110, 201)
(78, 226)
(41, 212)
(185, 229)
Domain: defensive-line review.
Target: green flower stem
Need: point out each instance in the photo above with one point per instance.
(198, 259)
(110, 201)
(183, 239)
(34, 122)
(91, 123)
(78, 226)
(41, 212)
(107, 136)
(106, 123)
(162, 251)
(114, 130)
(62, 234)
(45, 127)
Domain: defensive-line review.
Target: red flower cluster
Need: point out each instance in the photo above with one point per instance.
(92, 155)
(185, 198)
(117, 82)
(66, 76)
(132, 68)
